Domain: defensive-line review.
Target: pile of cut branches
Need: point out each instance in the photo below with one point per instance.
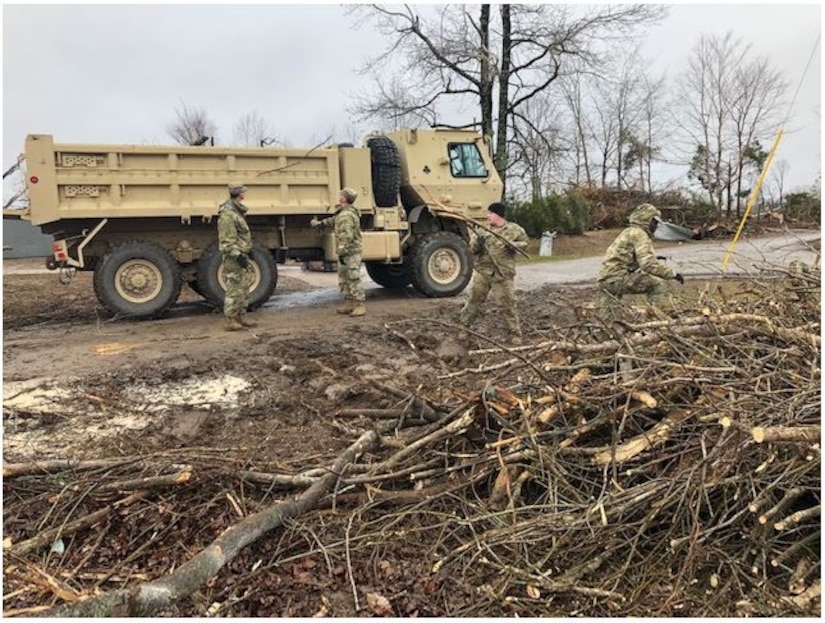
(666, 466)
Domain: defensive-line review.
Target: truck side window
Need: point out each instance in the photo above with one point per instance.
(466, 161)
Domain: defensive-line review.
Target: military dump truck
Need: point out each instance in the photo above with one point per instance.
(143, 218)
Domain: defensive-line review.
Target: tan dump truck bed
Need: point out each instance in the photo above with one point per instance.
(75, 181)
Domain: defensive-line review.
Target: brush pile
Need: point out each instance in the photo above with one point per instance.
(649, 466)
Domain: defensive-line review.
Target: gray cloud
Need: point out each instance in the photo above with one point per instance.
(114, 74)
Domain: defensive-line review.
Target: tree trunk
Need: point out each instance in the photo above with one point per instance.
(503, 93)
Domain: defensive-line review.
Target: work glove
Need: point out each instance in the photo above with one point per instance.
(680, 278)
(342, 258)
(315, 222)
(243, 260)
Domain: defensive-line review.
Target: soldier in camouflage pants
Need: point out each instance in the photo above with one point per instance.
(630, 265)
(346, 223)
(235, 244)
(495, 267)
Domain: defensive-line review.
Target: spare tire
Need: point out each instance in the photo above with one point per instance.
(386, 171)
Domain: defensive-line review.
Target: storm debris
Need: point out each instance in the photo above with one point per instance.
(644, 467)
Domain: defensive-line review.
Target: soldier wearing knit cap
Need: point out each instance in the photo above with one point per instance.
(495, 267)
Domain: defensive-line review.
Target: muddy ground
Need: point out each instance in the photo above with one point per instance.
(71, 370)
(79, 384)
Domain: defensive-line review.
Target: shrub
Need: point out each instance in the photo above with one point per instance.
(803, 207)
(566, 214)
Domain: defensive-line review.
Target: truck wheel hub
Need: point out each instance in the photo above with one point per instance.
(138, 281)
(254, 281)
(444, 266)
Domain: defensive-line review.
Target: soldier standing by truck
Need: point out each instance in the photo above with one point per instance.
(235, 244)
(630, 265)
(495, 266)
(346, 223)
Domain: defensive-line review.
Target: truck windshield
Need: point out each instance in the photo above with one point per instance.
(466, 161)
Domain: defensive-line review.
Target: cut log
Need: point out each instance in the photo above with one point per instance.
(786, 433)
(657, 435)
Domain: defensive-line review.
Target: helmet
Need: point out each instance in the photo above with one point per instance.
(349, 194)
(643, 214)
(236, 188)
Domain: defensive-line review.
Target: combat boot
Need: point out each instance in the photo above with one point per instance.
(233, 323)
(359, 310)
(346, 308)
(246, 322)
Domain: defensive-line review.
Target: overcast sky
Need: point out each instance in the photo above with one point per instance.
(115, 73)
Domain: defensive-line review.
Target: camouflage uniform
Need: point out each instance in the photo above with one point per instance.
(630, 265)
(346, 224)
(234, 239)
(495, 267)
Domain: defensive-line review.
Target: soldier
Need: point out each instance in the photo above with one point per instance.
(235, 243)
(495, 266)
(630, 265)
(346, 223)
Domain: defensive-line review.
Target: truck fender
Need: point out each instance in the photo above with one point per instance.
(430, 222)
(415, 213)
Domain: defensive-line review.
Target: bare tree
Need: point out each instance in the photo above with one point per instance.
(537, 145)
(730, 101)
(759, 89)
(605, 132)
(192, 126)
(463, 52)
(582, 133)
(780, 172)
(650, 127)
(252, 130)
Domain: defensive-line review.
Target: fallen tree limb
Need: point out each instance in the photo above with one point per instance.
(382, 414)
(426, 411)
(150, 482)
(149, 597)
(48, 537)
(12, 470)
(280, 480)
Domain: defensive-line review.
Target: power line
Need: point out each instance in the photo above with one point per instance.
(802, 79)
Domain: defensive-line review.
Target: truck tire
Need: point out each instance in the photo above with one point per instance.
(137, 279)
(392, 276)
(210, 278)
(440, 264)
(386, 171)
